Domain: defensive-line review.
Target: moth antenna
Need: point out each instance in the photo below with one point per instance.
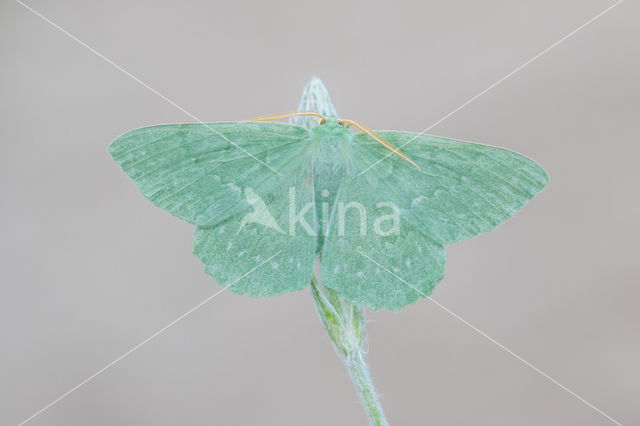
(380, 141)
(287, 114)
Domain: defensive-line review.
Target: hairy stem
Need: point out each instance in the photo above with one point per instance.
(344, 321)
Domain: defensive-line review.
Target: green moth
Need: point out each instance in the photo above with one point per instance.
(269, 198)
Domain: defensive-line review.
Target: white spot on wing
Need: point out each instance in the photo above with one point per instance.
(417, 200)
(234, 187)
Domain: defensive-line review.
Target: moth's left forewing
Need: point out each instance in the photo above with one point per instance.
(232, 181)
(259, 239)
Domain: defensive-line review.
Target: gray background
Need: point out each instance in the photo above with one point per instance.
(90, 268)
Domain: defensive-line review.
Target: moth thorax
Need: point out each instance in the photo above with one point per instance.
(326, 135)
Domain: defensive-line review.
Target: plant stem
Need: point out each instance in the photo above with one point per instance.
(344, 321)
(359, 371)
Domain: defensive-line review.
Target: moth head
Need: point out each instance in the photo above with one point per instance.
(331, 121)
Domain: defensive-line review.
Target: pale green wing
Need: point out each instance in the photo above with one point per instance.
(461, 190)
(231, 180)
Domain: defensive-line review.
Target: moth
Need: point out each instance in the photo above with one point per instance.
(376, 208)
